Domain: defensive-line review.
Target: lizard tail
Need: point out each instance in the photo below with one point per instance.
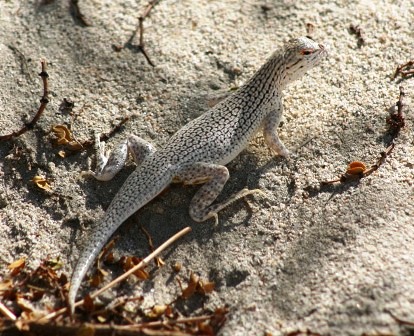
(140, 188)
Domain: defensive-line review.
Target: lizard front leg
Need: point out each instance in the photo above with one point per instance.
(214, 178)
(108, 166)
(270, 124)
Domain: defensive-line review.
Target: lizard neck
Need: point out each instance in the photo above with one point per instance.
(269, 80)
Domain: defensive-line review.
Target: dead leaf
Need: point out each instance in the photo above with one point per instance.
(129, 262)
(16, 266)
(63, 134)
(177, 267)
(205, 287)
(62, 154)
(64, 137)
(110, 258)
(41, 183)
(157, 311)
(104, 253)
(96, 279)
(204, 328)
(88, 303)
(159, 262)
(141, 274)
(192, 286)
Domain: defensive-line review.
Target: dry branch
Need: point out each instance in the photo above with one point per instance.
(140, 29)
(43, 102)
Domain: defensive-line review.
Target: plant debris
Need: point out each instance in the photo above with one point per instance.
(64, 137)
(41, 183)
(307, 332)
(43, 103)
(140, 28)
(399, 320)
(22, 291)
(396, 121)
(158, 261)
(405, 70)
(196, 285)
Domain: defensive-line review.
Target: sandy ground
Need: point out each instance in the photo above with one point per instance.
(331, 259)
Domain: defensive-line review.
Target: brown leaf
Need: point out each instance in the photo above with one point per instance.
(74, 146)
(96, 279)
(62, 154)
(129, 262)
(159, 262)
(204, 328)
(177, 267)
(141, 274)
(64, 137)
(88, 303)
(192, 286)
(10, 294)
(205, 287)
(63, 279)
(36, 294)
(41, 183)
(157, 311)
(110, 258)
(63, 134)
(169, 312)
(16, 266)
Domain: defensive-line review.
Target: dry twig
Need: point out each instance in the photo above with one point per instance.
(43, 102)
(140, 29)
(399, 320)
(6, 312)
(396, 119)
(215, 319)
(405, 70)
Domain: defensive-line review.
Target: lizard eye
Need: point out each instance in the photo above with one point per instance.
(307, 51)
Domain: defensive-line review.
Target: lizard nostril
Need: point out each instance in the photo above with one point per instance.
(321, 46)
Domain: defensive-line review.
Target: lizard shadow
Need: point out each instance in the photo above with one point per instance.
(168, 212)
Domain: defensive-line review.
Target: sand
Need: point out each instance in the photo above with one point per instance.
(332, 259)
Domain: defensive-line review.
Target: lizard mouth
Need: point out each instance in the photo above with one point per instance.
(323, 50)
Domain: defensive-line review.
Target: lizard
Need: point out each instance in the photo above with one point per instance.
(199, 151)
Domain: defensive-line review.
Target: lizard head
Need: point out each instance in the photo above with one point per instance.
(300, 55)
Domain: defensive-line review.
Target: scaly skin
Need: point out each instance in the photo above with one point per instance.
(198, 152)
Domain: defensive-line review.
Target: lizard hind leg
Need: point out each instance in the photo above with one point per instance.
(215, 177)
